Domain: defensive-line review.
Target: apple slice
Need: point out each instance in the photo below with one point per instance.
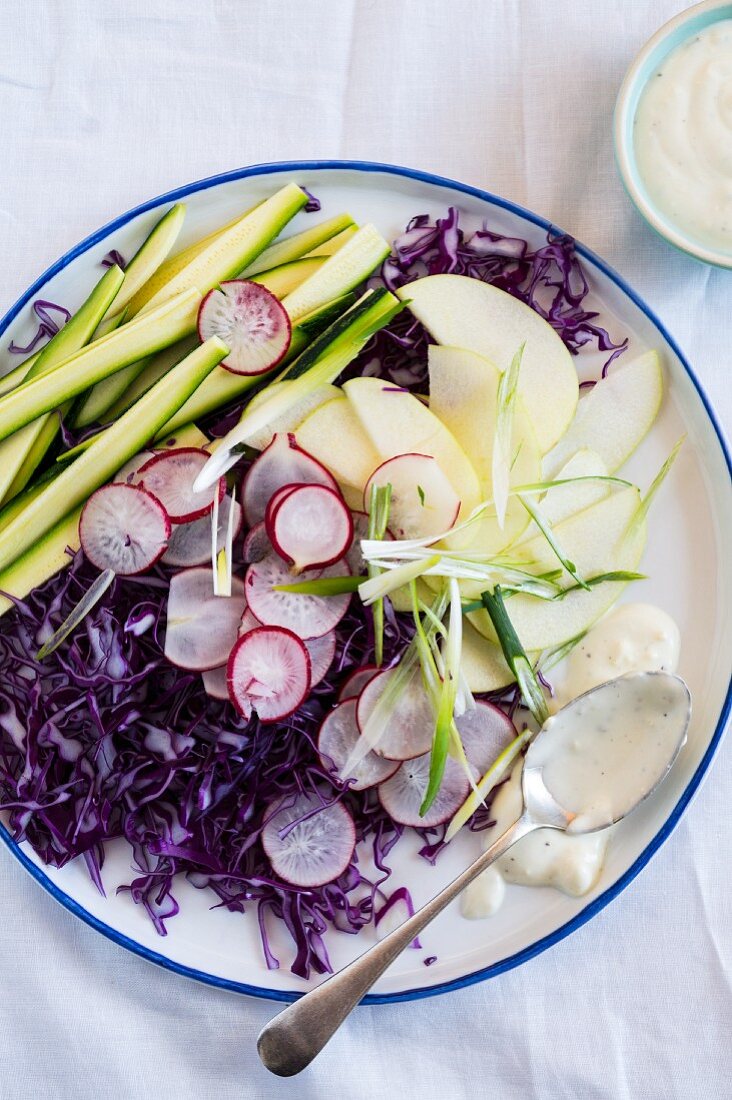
(333, 434)
(615, 415)
(467, 313)
(596, 540)
(564, 501)
(464, 396)
(292, 418)
(398, 423)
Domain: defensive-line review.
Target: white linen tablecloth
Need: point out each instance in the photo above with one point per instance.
(105, 104)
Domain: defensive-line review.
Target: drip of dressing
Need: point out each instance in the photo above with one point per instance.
(683, 136)
(632, 638)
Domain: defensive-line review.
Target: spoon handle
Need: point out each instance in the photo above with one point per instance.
(289, 1042)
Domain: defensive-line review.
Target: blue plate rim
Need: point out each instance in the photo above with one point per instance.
(692, 787)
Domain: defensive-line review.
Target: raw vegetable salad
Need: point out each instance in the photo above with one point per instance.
(292, 528)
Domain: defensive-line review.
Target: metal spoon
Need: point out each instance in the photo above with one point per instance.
(292, 1039)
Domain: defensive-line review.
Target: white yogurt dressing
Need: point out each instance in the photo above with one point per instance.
(632, 638)
(683, 136)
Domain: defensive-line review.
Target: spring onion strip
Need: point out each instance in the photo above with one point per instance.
(515, 655)
(501, 466)
(546, 530)
(550, 658)
(214, 543)
(87, 603)
(378, 720)
(381, 584)
(652, 490)
(322, 586)
(498, 770)
(224, 562)
(379, 505)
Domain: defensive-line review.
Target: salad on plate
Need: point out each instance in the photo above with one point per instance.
(302, 538)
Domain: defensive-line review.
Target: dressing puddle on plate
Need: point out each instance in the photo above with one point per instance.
(635, 637)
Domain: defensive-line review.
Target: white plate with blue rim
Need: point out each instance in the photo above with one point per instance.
(223, 948)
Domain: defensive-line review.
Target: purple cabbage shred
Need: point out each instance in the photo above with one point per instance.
(48, 326)
(114, 257)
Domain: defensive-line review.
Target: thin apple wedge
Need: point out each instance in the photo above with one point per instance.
(467, 313)
(598, 541)
(398, 423)
(615, 415)
(464, 396)
(333, 434)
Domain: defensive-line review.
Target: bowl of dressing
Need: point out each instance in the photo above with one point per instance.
(673, 132)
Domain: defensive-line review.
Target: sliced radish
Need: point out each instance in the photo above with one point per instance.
(123, 527)
(336, 740)
(310, 527)
(282, 463)
(307, 843)
(202, 628)
(401, 796)
(484, 731)
(321, 650)
(354, 557)
(190, 543)
(306, 616)
(214, 683)
(268, 671)
(274, 501)
(170, 476)
(423, 502)
(411, 724)
(354, 684)
(256, 544)
(252, 323)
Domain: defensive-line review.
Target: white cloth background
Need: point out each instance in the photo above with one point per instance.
(105, 104)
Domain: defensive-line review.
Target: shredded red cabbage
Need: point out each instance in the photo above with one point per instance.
(106, 739)
(48, 326)
(550, 280)
(114, 257)
(313, 204)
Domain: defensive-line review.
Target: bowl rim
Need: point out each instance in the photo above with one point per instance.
(623, 116)
(293, 167)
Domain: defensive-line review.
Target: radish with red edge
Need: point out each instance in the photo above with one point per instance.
(124, 528)
(411, 724)
(423, 502)
(354, 557)
(201, 628)
(214, 683)
(190, 543)
(268, 671)
(336, 740)
(274, 501)
(311, 527)
(256, 544)
(308, 843)
(307, 616)
(321, 650)
(252, 323)
(485, 731)
(356, 681)
(282, 463)
(402, 794)
(170, 476)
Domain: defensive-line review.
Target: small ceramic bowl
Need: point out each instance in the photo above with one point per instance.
(647, 62)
